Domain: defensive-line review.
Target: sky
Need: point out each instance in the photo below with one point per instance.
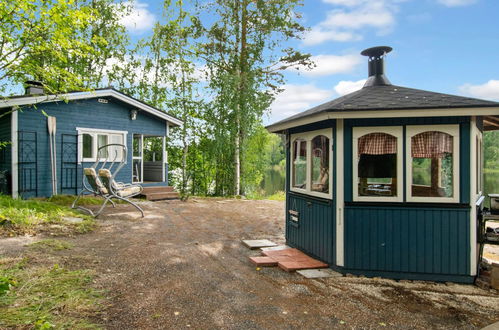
(446, 46)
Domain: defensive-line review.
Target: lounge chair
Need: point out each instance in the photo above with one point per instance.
(104, 184)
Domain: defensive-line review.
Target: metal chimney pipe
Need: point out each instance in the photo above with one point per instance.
(376, 65)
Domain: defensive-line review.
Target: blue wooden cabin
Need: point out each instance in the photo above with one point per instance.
(384, 181)
(85, 121)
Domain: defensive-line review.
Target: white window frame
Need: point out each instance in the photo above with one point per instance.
(358, 132)
(452, 130)
(308, 136)
(94, 132)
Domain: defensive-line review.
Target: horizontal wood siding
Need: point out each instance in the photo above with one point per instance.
(5, 136)
(88, 113)
(407, 240)
(314, 232)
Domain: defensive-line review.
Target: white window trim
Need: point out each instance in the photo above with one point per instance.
(308, 136)
(94, 132)
(452, 130)
(358, 132)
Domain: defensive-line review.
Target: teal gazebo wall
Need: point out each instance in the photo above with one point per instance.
(315, 233)
(5, 136)
(428, 241)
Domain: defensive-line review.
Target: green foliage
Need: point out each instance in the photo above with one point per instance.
(64, 44)
(23, 216)
(46, 297)
(491, 149)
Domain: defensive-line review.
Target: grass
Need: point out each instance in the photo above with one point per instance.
(19, 216)
(51, 244)
(67, 200)
(44, 297)
(278, 196)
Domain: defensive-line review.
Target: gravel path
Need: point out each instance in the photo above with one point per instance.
(183, 266)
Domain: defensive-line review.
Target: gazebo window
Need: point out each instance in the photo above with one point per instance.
(299, 163)
(377, 163)
(311, 159)
(320, 164)
(433, 155)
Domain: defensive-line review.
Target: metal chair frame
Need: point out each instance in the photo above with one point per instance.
(112, 188)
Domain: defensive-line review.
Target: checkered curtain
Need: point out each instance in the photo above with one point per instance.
(377, 144)
(431, 144)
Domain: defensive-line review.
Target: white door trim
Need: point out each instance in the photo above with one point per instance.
(14, 129)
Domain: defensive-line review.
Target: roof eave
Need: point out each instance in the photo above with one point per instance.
(110, 92)
(281, 127)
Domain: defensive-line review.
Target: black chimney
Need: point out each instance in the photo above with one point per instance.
(32, 87)
(376, 66)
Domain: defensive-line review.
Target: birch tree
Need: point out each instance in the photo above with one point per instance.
(246, 55)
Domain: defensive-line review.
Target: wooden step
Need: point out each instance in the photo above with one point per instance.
(158, 189)
(156, 196)
(159, 192)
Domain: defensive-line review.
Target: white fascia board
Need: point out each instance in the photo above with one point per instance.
(85, 95)
(404, 113)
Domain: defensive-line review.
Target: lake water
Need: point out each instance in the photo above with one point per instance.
(491, 185)
(274, 181)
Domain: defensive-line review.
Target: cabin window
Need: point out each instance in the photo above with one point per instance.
(433, 160)
(88, 150)
(311, 160)
(300, 164)
(90, 140)
(377, 163)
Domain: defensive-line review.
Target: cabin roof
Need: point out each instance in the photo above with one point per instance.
(391, 97)
(21, 100)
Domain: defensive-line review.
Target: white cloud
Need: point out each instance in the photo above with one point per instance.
(333, 64)
(319, 35)
(345, 87)
(138, 18)
(346, 24)
(457, 3)
(488, 90)
(297, 98)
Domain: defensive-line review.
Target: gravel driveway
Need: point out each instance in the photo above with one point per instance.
(183, 266)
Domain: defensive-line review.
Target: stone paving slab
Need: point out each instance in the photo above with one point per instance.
(263, 261)
(275, 248)
(258, 243)
(318, 273)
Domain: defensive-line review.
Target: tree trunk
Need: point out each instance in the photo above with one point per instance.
(241, 99)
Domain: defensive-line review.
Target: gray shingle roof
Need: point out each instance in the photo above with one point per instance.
(391, 97)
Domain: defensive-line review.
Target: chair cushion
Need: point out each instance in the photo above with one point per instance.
(94, 180)
(128, 191)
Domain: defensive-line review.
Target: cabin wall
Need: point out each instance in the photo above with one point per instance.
(88, 113)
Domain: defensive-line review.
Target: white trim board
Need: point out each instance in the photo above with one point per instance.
(20, 101)
(14, 150)
(339, 193)
(398, 113)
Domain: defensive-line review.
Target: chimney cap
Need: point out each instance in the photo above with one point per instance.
(376, 51)
(33, 83)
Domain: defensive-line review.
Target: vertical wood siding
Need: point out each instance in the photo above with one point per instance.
(314, 232)
(87, 113)
(404, 239)
(5, 136)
